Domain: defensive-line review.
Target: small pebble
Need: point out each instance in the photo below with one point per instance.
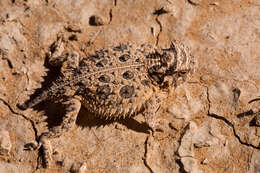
(257, 119)
(96, 21)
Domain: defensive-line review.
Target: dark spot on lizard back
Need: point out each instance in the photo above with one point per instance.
(127, 91)
(104, 78)
(124, 57)
(103, 91)
(128, 75)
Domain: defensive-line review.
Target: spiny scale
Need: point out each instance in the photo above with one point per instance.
(115, 82)
(112, 83)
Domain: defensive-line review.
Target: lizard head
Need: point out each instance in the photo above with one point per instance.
(169, 65)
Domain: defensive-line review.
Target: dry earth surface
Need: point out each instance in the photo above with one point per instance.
(211, 123)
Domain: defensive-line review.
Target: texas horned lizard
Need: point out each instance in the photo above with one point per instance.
(112, 83)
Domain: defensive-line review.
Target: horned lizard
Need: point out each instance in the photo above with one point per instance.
(113, 83)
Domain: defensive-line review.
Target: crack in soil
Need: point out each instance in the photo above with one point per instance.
(111, 12)
(28, 119)
(192, 3)
(181, 166)
(158, 35)
(228, 123)
(178, 161)
(145, 155)
(159, 12)
(110, 16)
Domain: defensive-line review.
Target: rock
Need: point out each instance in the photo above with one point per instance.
(96, 20)
(5, 142)
(83, 168)
(257, 119)
(254, 164)
(205, 161)
(186, 149)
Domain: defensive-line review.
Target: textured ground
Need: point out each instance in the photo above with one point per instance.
(211, 122)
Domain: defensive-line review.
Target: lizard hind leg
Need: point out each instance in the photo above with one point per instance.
(68, 122)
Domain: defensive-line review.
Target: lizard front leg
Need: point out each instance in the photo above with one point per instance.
(151, 108)
(67, 61)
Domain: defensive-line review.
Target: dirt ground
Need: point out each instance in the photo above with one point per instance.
(211, 122)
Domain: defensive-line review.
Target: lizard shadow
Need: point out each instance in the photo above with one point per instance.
(86, 119)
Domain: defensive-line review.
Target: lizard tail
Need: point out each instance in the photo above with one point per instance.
(53, 90)
(33, 102)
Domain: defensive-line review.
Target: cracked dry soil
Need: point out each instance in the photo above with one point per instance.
(210, 123)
